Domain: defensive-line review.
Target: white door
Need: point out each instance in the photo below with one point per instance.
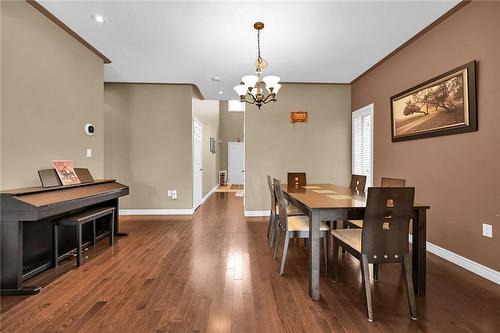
(197, 163)
(236, 162)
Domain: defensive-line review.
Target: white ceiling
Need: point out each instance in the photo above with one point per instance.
(190, 42)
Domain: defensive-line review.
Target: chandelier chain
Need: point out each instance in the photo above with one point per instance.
(258, 44)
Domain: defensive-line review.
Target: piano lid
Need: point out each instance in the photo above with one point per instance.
(39, 196)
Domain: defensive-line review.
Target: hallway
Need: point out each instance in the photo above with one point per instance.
(216, 273)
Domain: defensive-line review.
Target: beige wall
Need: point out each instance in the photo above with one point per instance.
(457, 175)
(207, 112)
(231, 126)
(321, 147)
(149, 142)
(51, 85)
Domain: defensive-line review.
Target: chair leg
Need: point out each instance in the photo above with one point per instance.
(407, 275)
(78, 245)
(269, 225)
(273, 231)
(375, 271)
(325, 251)
(335, 259)
(277, 242)
(344, 226)
(365, 272)
(285, 251)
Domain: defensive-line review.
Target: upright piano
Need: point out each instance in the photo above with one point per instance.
(26, 217)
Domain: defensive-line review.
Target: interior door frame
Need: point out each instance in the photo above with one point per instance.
(228, 159)
(195, 205)
(365, 110)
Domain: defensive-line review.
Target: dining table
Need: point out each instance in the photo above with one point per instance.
(329, 202)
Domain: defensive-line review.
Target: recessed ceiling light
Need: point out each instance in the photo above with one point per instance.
(98, 18)
(221, 92)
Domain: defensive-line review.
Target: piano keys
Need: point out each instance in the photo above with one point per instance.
(26, 217)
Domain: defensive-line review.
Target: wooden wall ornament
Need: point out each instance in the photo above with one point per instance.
(298, 117)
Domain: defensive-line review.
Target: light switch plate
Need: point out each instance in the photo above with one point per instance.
(174, 194)
(169, 193)
(487, 230)
(89, 152)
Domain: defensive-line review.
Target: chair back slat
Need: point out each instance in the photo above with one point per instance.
(297, 179)
(386, 223)
(273, 195)
(392, 182)
(283, 217)
(358, 183)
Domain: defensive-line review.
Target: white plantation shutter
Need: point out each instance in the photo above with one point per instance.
(362, 143)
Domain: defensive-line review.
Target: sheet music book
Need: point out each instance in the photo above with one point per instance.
(65, 171)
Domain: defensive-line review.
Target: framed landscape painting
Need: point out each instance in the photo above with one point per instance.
(443, 105)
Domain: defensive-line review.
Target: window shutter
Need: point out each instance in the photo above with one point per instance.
(362, 143)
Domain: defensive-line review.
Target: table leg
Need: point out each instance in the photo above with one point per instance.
(314, 256)
(419, 251)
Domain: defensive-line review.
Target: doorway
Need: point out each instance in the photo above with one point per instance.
(236, 162)
(197, 163)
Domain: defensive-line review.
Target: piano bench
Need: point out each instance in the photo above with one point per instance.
(77, 221)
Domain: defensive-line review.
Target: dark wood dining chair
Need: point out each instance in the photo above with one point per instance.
(294, 227)
(383, 239)
(274, 215)
(358, 183)
(384, 182)
(392, 182)
(297, 179)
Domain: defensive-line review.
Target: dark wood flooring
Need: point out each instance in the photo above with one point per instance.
(214, 272)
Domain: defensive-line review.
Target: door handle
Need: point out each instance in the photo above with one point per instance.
(201, 169)
(242, 170)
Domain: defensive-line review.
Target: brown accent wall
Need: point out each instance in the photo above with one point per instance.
(231, 128)
(51, 85)
(457, 175)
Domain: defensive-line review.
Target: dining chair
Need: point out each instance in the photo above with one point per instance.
(383, 239)
(297, 179)
(358, 183)
(294, 227)
(384, 182)
(274, 215)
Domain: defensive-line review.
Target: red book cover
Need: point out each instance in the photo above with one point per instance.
(65, 171)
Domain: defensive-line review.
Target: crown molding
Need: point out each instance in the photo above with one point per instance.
(440, 19)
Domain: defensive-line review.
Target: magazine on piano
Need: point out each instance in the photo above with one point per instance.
(65, 171)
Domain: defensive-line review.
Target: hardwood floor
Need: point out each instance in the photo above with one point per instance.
(214, 272)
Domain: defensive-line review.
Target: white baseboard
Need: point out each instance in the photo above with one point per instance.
(463, 262)
(209, 194)
(187, 211)
(257, 213)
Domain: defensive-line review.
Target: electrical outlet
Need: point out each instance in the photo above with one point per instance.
(169, 193)
(174, 194)
(487, 230)
(89, 152)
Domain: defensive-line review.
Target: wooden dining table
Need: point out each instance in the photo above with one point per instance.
(328, 202)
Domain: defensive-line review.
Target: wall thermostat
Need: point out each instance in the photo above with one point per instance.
(89, 129)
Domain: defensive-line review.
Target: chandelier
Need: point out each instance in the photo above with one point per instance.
(252, 86)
